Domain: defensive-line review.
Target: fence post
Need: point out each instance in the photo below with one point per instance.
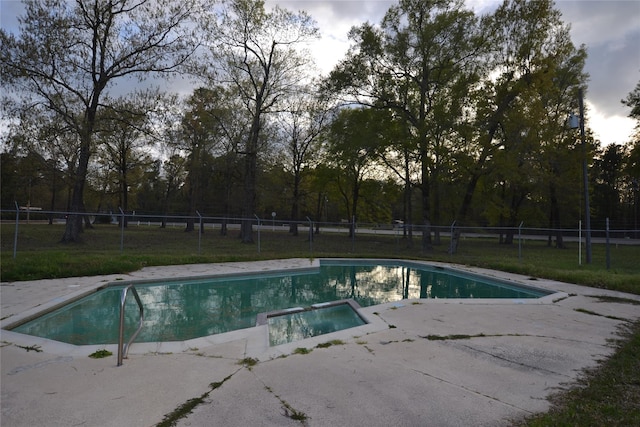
(258, 218)
(15, 234)
(520, 241)
(608, 248)
(199, 231)
(353, 233)
(121, 230)
(451, 238)
(580, 242)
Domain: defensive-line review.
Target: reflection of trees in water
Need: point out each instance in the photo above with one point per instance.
(296, 326)
(195, 309)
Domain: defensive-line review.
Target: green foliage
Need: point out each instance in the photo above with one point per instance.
(100, 354)
(40, 255)
(633, 101)
(41, 65)
(330, 343)
(464, 118)
(248, 362)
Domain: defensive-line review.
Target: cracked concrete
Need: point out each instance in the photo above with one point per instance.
(516, 355)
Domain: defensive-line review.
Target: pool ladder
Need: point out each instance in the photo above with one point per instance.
(122, 348)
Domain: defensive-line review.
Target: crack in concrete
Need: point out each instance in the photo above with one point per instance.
(515, 362)
(289, 411)
(186, 408)
(61, 359)
(472, 391)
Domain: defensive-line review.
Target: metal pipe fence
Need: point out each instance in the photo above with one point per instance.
(266, 229)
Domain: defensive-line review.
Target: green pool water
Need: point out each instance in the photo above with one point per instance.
(178, 311)
(292, 327)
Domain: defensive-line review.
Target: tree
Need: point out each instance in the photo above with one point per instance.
(68, 57)
(255, 54)
(530, 46)
(632, 162)
(231, 124)
(410, 65)
(607, 175)
(300, 127)
(125, 136)
(633, 101)
(559, 144)
(198, 140)
(167, 131)
(352, 138)
(38, 135)
(403, 162)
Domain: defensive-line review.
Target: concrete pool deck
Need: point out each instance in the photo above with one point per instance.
(510, 356)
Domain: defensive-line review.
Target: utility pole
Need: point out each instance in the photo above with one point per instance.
(587, 212)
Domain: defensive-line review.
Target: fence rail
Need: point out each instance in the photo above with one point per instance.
(25, 215)
(268, 227)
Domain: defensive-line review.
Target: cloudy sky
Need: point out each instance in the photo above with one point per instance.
(610, 29)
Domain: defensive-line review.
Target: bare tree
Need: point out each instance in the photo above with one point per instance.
(125, 137)
(255, 52)
(300, 127)
(69, 55)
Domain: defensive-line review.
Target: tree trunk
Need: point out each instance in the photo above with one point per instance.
(74, 220)
(249, 205)
(554, 219)
(125, 195)
(319, 211)
(295, 206)
(407, 227)
(354, 213)
(435, 211)
(426, 222)
(192, 182)
(52, 206)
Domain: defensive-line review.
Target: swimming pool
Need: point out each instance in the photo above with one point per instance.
(186, 309)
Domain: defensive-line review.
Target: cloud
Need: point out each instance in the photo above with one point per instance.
(610, 30)
(595, 22)
(608, 128)
(334, 19)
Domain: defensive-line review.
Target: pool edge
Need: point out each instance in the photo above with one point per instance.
(253, 333)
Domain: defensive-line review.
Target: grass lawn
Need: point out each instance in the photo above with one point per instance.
(608, 395)
(104, 250)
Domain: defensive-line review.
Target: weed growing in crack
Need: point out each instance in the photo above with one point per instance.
(289, 411)
(452, 337)
(593, 313)
(607, 298)
(293, 414)
(330, 343)
(185, 409)
(248, 362)
(35, 348)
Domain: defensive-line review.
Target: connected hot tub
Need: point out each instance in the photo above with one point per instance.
(180, 310)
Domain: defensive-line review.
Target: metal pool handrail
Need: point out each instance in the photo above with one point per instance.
(122, 349)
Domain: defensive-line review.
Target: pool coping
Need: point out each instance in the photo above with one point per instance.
(257, 337)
